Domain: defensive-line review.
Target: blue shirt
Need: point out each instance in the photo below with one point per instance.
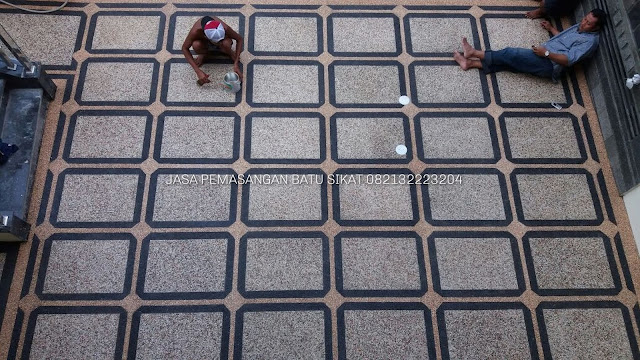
(575, 45)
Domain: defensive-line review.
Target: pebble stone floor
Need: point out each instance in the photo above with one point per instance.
(531, 256)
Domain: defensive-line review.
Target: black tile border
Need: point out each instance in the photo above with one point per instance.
(574, 82)
(560, 222)
(66, 154)
(44, 3)
(166, 77)
(152, 89)
(515, 256)
(15, 335)
(160, 136)
(76, 310)
(526, 242)
(79, 35)
(201, 13)
(546, 348)
(330, 33)
(208, 6)
(528, 321)
(68, 78)
(46, 253)
(239, 324)
(94, 20)
(361, 63)
(377, 115)
(576, 131)
(246, 192)
(437, 7)
(192, 171)
(592, 144)
(11, 251)
(286, 7)
(313, 115)
(605, 197)
(252, 27)
(44, 199)
(624, 265)
(249, 83)
(380, 293)
(492, 133)
(465, 171)
(28, 274)
(407, 26)
(362, 7)
(494, 79)
(91, 224)
(364, 306)
(58, 139)
(374, 171)
(507, 8)
(414, 86)
(180, 309)
(242, 266)
(125, 5)
(144, 256)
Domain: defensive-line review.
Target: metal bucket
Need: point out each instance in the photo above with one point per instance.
(231, 82)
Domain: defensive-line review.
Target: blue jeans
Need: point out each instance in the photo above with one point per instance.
(517, 60)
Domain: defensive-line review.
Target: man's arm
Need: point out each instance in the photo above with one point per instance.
(547, 26)
(559, 59)
(239, 44)
(186, 51)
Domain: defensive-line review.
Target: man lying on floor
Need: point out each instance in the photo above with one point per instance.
(548, 60)
(207, 35)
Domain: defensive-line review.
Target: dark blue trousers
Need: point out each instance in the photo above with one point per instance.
(517, 60)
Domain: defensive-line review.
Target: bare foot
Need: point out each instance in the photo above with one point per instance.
(468, 50)
(464, 63)
(200, 60)
(535, 14)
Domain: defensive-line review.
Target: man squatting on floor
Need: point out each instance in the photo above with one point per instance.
(549, 60)
(210, 34)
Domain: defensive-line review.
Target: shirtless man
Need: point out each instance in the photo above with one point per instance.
(206, 35)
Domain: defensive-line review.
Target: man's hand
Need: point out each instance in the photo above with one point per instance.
(236, 69)
(539, 50)
(547, 26)
(203, 78)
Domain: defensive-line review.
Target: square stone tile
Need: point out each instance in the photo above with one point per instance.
(305, 39)
(89, 333)
(456, 138)
(479, 198)
(384, 331)
(182, 21)
(113, 31)
(476, 264)
(284, 83)
(108, 136)
(179, 87)
(279, 331)
(572, 264)
(49, 39)
(586, 331)
(556, 197)
(524, 90)
(198, 137)
(197, 332)
(439, 84)
(210, 193)
(366, 84)
(364, 35)
(531, 138)
(369, 138)
(285, 138)
(86, 267)
(98, 197)
(284, 265)
(380, 264)
(186, 266)
(486, 331)
(111, 81)
(277, 197)
(439, 34)
(359, 201)
(503, 31)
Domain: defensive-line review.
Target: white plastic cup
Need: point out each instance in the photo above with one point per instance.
(401, 149)
(404, 100)
(231, 82)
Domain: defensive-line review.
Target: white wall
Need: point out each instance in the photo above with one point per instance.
(632, 202)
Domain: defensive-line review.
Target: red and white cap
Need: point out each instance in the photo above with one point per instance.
(214, 30)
